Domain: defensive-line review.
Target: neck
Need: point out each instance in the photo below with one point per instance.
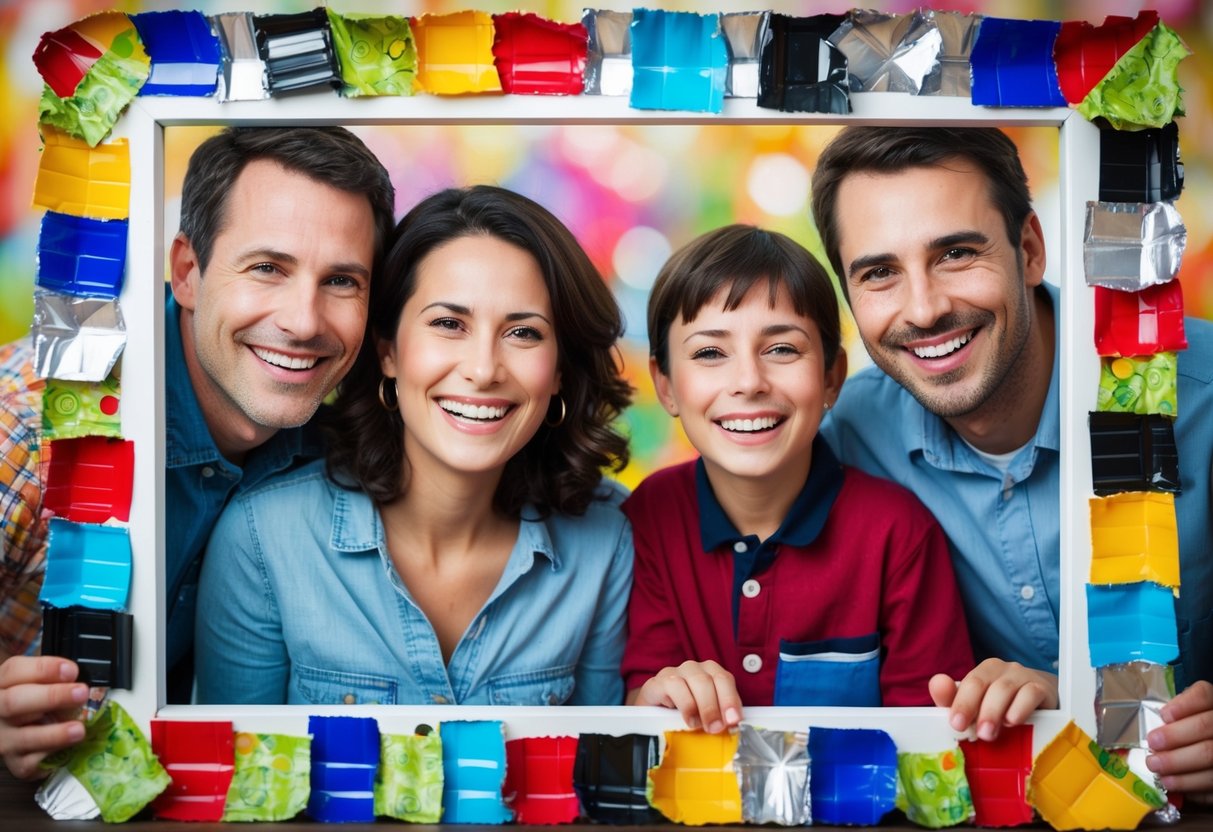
(758, 505)
(233, 433)
(1010, 417)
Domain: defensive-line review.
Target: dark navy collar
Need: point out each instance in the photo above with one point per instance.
(806, 518)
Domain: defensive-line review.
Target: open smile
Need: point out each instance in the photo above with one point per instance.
(759, 425)
(473, 412)
(943, 349)
(283, 361)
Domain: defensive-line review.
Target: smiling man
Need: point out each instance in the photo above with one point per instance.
(933, 237)
(281, 229)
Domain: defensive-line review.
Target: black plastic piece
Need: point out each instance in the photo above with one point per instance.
(610, 776)
(297, 50)
(1140, 165)
(792, 52)
(1133, 452)
(99, 641)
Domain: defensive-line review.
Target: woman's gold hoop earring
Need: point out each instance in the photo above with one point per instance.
(559, 421)
(395, 405)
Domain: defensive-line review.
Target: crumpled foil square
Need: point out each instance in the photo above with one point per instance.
(1128, 702)
(743, 32)
(243, 72)
(76, 339)
(773, 774)
(888, 52)
(1132, 245)
(608, 68)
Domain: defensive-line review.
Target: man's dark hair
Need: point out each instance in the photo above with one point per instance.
(330, 155)
(737, 257)
(885, 150)
(561, 466)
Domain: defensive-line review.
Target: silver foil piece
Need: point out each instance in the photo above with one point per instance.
(608, 66)
(1128, 702)
(76, 339)
(1132, 245)
(773, 775)
(958, 33)
(744, 33)
(243, 76)
(63, 797)
(1135, 759)
(888, 52)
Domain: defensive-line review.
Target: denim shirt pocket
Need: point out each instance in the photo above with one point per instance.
(832, 672)
(552, 686)
(333, 687)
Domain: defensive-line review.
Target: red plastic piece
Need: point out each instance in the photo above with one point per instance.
(1086, 53)
(998, 777)
(539, 779)
(1140, 323)
(89, 480)
(200, 758)
(535, 56)
(63, 58)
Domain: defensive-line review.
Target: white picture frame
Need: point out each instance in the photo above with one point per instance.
(142, 301)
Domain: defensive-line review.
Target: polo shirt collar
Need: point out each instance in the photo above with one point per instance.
(357, 529)
(805, 520)
(941, 445)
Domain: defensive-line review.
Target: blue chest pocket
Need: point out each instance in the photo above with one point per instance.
(833, 672)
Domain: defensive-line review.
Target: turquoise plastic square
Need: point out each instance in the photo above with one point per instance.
(87, 566)
(473, 765)
(1128, 622)
(680, 61)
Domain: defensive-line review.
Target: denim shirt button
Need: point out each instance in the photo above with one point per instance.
(208, 472)
(349, 699)
(439, 699)
(553, 699)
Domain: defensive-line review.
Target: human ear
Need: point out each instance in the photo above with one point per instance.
(184, 272)
(835, 376)
(387, 356)
(661, 383)
(1032, 250)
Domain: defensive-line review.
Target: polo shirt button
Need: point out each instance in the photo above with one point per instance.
(752, 663)
(208, 471)
(439, 699)
(349, 699)
(1026, 592)
(740, 546)
(1055, 664)
(751, 588)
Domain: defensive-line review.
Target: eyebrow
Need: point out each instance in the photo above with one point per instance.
(946, 241)
(352, 267)
(459, 309)
(767, 331)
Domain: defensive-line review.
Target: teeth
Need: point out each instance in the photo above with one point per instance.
(943, 349)
(471, 411)
(287, 361)
(749, 425)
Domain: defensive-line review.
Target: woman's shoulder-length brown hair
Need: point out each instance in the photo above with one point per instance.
(559, 469)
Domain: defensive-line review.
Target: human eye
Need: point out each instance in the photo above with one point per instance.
(447, 323)
(784, 350)
(707, 354)
(344, 282)
(525, 333)
(958, 253)
(875, 274)
(265, 269)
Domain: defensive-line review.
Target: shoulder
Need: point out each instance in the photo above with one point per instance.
(899, 508)
(601, 516)
(868, 388)
(663, 491)
(300, 487)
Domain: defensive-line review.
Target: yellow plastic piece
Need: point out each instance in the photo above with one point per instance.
(1075, 784)
(1133, 538)
(103, 29)
(695, 783)
(455, 53)
(83, 181)
(1122, 368)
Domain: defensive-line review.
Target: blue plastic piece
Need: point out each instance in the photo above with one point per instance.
(81, 256)
(184, 51)
(680, 61)
(1131, 622)
(853, 779)
(1012, 64)
(473, 771)
(345, 758)
(87, 566)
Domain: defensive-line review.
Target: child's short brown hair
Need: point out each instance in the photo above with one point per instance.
(739, 256)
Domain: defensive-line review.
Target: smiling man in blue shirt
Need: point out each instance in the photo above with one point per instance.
(942, 260)
(281, 229)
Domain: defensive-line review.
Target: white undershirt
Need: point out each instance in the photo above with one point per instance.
(1000, 461)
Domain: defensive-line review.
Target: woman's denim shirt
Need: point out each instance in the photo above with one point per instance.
(300, 603)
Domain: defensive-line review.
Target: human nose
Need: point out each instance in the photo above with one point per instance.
(925, 301)
(748, 375)
(300, 312)
(482, 366)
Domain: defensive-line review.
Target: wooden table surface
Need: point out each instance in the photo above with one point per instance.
(19, 813)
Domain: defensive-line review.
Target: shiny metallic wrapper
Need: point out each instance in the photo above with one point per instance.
(958, 33)
(743, 33)
(773, 774)
(76, 339)
(608, 67)
(243, 76)
(1128, 701)
(63, 797)
(888, 52)
(1132, 245)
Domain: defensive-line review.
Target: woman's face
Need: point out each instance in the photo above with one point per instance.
(474, 356)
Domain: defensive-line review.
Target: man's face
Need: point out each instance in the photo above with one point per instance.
(941, 297)
(277, 319)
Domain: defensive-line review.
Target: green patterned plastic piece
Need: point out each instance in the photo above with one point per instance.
(271, 779)
(932, 788)
(115, 764)
(409, 783)
(97, 104)
(376, 54)
(72, 409)
(1142, 90)
(1145, 384)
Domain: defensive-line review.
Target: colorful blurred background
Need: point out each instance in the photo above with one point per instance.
(631, 194)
